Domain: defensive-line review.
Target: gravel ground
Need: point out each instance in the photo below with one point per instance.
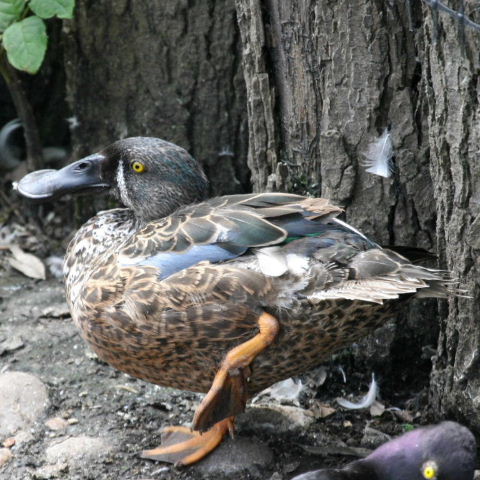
(64, 414)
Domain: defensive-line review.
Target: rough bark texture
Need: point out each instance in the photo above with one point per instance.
(169, 69)
(324, 80)
(451, 80)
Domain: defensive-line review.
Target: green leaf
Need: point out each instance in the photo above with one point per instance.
(50, 8)
(26, 44)
(10, 10)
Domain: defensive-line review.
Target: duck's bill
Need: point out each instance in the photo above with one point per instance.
(85, 175)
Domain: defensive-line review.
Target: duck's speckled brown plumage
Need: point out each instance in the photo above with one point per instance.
(175, 332)
(167, 287)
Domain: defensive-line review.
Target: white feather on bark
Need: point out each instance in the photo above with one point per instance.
(378, 157)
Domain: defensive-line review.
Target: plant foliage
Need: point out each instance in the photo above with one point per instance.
(23, 31)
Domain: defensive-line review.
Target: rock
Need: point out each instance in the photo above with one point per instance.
(276, 476)
(56, 311)
(55, 266)
(234, 457)
(321, 410)
(5, 456)
(373, 438)
(276, 418)
(76, 450)
(9, 442)
(377, 409)
(57, 423)
(23, 400)
(51, 471)
(11, 344)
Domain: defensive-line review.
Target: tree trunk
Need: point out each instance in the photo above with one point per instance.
(451, 87)
(164, 68)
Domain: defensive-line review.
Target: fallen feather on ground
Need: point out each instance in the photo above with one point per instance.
(287, 391)
(366, 402)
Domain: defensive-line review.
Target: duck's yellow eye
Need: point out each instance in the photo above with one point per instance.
(138, 167)
(429, 470)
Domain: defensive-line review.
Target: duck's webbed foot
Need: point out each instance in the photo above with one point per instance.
(183, 446)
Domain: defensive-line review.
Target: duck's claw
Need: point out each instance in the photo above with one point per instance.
(183, 446)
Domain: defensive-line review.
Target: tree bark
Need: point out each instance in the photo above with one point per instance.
(451, 88)
(164, 68)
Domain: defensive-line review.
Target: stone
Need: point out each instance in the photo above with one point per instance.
(276, 418)
(233, 457)
(75, 450)
(276, 476)
(9, 442)
(5, 456)
(59, 310)
(373, 438)
(11, 344)
(51, 471)
(23, 400)
(57, 423)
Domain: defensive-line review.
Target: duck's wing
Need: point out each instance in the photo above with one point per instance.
(224, 228)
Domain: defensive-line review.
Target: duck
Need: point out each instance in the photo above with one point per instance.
(446, 451)
(224, 296)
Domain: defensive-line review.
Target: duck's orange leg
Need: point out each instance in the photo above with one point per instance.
(225, 399)
(228, 394)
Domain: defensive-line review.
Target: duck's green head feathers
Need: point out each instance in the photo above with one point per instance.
(153, 177)
(150, 176)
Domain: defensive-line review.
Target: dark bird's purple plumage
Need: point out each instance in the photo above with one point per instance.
(448, 449)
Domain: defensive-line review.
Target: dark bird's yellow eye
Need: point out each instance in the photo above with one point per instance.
(138, 167)
(429, 470)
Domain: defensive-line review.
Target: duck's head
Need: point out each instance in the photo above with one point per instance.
(150, 176)
(446, 451)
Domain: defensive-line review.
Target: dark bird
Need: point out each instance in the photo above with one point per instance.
(9, 152)
(12, 148)
(446, 451)
(224, 296)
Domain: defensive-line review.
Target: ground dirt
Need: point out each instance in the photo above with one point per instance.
(95, 400)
